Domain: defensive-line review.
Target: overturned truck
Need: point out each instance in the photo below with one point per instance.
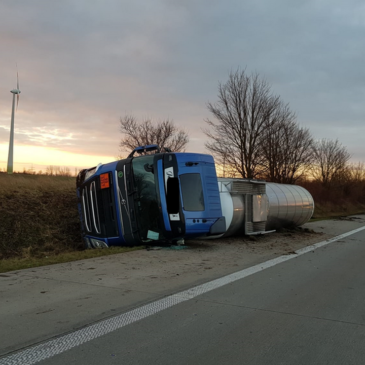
(168, 197)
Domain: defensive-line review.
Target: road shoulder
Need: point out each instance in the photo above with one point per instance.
(44, 302)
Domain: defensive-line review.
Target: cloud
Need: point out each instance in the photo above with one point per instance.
(84, 64)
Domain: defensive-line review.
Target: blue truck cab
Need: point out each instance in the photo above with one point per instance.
(159, 197)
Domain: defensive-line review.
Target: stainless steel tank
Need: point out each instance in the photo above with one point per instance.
(289, 205)
(232, 210)
(256, 207)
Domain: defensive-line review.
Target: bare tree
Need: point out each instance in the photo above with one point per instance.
(63, 171)
(356, 172)
(50, 170)
(164, 134)
(352, 181)
(330, 159)
(286, 147)
(243, 110)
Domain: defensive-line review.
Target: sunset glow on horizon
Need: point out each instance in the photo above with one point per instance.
(84, 65)
(39, 158)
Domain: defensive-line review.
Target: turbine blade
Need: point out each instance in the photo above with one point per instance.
(17, 101)
(17, 81)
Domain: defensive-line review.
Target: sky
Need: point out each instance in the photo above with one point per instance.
(85, 64)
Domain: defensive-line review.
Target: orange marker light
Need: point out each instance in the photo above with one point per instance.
(104, 181)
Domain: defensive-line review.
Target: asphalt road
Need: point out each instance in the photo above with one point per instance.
(307, 310)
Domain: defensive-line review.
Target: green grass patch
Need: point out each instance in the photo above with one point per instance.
(12, 264)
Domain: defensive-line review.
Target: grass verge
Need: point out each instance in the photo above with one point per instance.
(329, 210)
(38, 216)
(12, 264)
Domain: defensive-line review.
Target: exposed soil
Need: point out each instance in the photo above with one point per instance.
(200, 258)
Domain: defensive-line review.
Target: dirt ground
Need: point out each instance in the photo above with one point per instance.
(206, 259)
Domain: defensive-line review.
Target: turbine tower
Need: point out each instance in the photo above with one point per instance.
(11, 142)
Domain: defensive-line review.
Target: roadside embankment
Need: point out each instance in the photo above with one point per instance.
(38, 216)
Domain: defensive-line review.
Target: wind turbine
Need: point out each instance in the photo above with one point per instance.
(11, 142)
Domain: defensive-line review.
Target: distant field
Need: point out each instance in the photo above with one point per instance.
(39, 217)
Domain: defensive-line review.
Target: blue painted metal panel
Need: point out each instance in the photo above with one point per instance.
(198, 223)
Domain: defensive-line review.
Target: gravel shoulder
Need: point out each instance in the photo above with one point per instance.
(41, 303)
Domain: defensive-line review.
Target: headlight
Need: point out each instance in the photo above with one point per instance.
(98, 243)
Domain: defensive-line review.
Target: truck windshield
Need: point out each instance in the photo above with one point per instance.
(146, 200)
(192, 192)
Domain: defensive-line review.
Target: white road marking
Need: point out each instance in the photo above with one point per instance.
(61, 344)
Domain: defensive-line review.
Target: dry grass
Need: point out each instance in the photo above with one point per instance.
(15, 182)
(18, 263)
(329, 210)
(347, 198)
(38, 216)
